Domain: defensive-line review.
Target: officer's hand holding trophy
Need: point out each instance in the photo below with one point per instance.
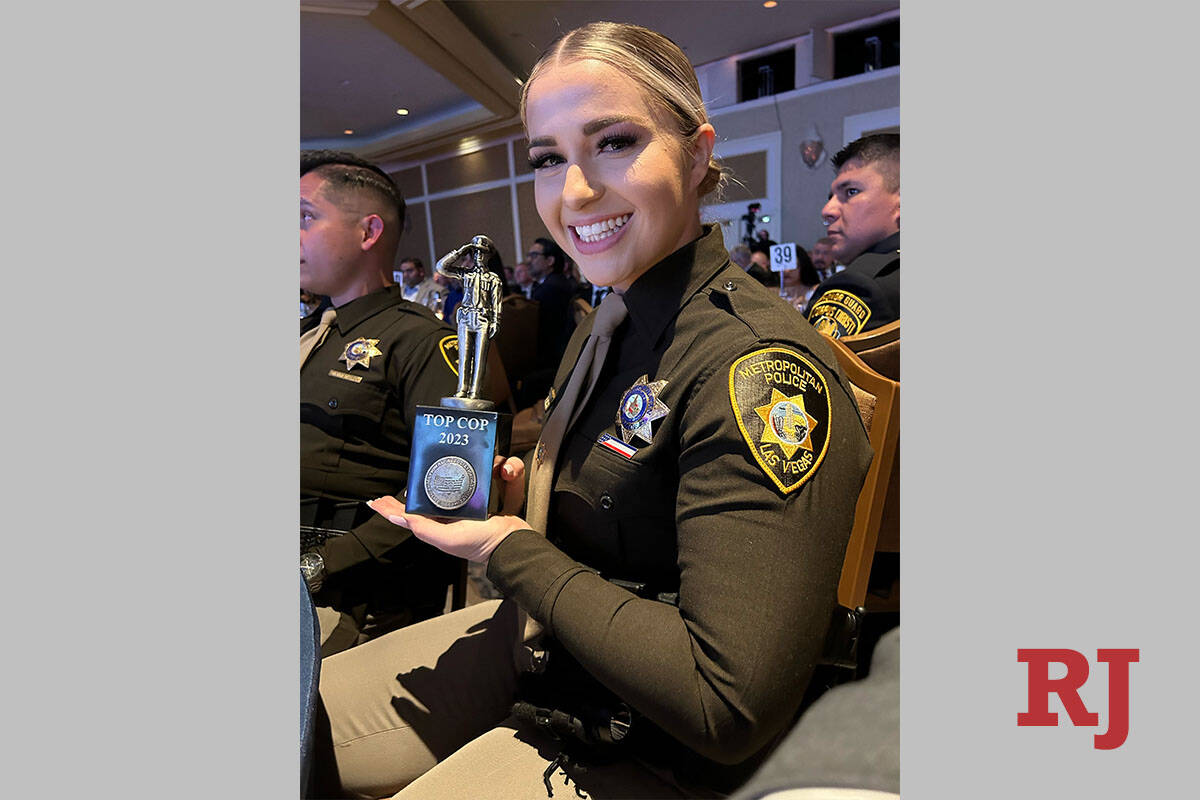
(458, 446)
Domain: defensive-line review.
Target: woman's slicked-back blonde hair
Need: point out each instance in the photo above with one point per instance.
(650, 59)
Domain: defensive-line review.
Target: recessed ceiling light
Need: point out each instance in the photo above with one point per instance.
(770, 4)
(347, 131)
(402, 112)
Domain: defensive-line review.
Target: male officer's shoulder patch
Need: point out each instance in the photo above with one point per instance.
(449, 349)
(781, 402)
(839, 313)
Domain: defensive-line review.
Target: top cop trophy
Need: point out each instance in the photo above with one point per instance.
(454, 444)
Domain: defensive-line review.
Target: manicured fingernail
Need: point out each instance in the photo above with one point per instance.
(398, 520)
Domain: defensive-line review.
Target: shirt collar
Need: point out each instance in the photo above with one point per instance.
(889, 245)
(671, 282)
(368, 305)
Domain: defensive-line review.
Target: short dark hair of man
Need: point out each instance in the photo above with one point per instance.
(416, 262)
(346, 172)
(879, 149)
(552, 250)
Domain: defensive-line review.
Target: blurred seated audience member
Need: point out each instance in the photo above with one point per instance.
(496, 265)
(419, 285)
(592, 294)
(742, 256)
(822, 258)
(554, 292)
(764, 240)
(846, 746)
(522, 279)
(862, 218)
(310, 304)
(760, 267)
(571, 270)
(800, 282)
(452, 294)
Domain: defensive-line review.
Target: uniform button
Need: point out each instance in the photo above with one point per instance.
(606, 501)
(333, 402)
(730, 286)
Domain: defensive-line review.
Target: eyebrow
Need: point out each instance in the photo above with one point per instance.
(595, 126)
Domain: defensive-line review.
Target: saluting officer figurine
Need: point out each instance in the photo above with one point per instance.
(454, 444)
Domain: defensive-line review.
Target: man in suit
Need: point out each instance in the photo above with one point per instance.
(554, 291)
(592, 294)
(419, 287)
(822, 258)
(522, 279)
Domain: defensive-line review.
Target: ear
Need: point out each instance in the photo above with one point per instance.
(372, 229)
(702, 150)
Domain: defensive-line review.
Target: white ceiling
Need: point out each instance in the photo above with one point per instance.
(455, 64)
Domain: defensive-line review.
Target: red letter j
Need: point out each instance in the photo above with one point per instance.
(1118, 697)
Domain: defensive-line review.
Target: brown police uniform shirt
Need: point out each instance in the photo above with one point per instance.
(382, 356)
(741, 503)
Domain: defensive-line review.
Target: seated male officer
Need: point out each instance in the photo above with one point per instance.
(363, 369)
(863, 222)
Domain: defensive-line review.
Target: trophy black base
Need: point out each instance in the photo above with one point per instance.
(454, 446)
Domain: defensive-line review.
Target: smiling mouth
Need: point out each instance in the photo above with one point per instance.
(599, 231)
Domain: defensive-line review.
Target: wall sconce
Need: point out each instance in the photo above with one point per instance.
(812, 149)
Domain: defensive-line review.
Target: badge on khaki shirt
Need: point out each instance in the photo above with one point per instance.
(782, 406)
(839, 313)
(360, 351)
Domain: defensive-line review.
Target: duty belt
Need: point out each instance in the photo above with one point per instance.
(322, 519)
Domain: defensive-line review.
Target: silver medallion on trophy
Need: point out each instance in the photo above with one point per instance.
(454, 444)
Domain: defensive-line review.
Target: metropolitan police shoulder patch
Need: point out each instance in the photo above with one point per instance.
(781, 402)
(839, 313)
(449, 348)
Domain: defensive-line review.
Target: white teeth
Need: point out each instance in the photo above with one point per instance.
(600, 230)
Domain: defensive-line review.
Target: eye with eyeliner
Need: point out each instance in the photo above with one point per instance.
(613, 142)
(617, 142)
(544, 160)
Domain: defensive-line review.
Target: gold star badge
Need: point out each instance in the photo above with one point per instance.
(786, 423)
(359, 352)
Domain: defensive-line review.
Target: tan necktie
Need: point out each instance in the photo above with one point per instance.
(315, 335)
(609, 315)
